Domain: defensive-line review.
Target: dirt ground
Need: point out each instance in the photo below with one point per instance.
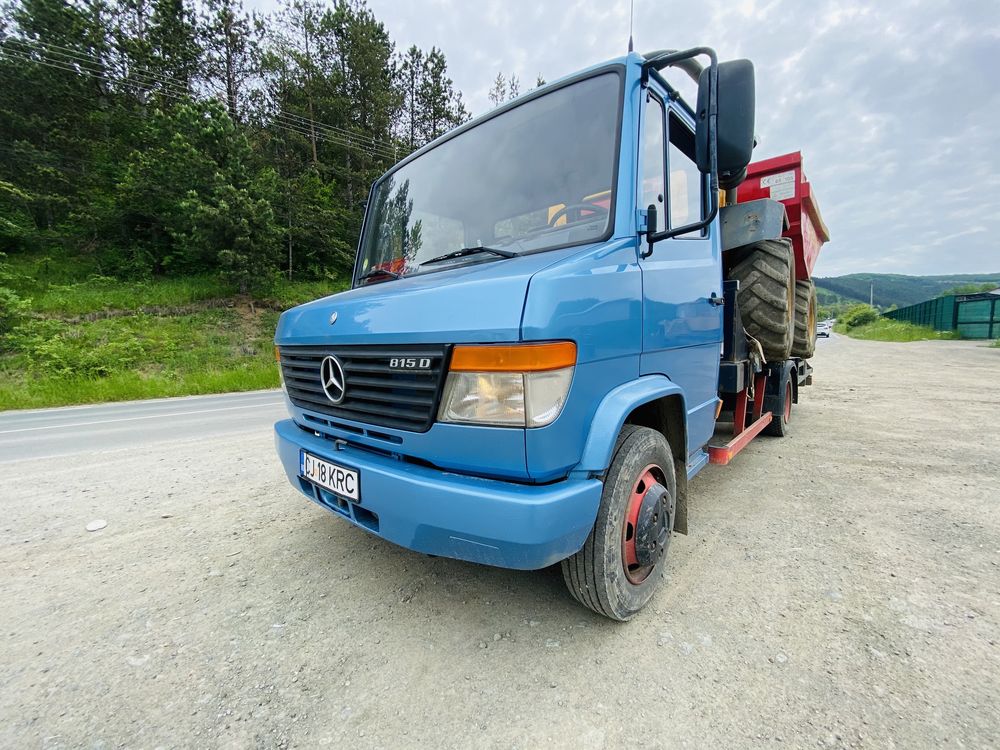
(840, 588)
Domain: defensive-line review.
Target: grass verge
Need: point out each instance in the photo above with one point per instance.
(71, 288)
(885, 329)
(88, 338)
(52, 362)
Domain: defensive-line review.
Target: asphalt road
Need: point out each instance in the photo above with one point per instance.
(47, 433)
(839, 588)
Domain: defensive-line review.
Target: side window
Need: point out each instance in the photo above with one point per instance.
(653, 167)
(686, 182)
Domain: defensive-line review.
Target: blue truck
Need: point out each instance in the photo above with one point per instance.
(556, 309)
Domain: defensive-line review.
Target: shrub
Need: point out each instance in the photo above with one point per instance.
(12, 310)
(859, 315)
(55, 348)
(13, 307)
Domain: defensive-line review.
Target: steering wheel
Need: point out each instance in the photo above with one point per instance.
(564, 211)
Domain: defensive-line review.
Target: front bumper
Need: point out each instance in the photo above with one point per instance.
(451, 515)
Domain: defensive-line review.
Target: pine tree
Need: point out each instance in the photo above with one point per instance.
(498, 94)
(193, 197)
(53, 119)
(173, 43)
(412, 75)
(513, 87)
(364, 95)
(505, 89)
(440, 102)
(232, 52)
(165, 141)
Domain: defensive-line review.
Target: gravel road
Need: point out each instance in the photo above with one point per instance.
(840, 588)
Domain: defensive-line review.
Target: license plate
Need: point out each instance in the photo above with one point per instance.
(337, 479)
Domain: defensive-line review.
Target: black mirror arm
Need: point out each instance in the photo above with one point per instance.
(668, 58)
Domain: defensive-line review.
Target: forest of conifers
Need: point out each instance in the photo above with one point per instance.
(164, 138)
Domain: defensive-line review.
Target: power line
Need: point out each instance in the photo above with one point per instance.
(146, 75)
(82, 63)
(139, 72)
(290, 126)
(171, 88)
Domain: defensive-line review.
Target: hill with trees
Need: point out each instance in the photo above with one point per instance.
(162, 138)
(174, 174)
(899, 290)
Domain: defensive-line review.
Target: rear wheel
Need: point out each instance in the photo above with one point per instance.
(767, 295)
(778, 426)
(804, 344)
(622, 561)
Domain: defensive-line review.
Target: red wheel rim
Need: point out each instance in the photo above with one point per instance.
(649, 476)
(788, 402)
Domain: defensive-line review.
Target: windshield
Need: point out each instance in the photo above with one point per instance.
(533, 178)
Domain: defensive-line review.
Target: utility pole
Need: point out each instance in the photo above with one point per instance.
(871, 294)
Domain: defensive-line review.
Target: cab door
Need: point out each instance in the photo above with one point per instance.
(682, 278)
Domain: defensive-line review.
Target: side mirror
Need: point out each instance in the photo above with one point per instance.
(734, 125)
(651, 228)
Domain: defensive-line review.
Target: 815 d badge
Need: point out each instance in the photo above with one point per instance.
(410, 363)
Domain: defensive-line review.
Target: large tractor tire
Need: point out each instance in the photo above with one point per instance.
(622, 561)
(804, 344)
(766, 272)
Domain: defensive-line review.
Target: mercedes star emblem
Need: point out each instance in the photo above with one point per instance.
(331, 375)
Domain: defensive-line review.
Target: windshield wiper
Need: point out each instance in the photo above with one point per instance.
(380, 272)
(471, 251)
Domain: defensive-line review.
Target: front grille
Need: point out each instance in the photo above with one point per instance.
(374, 393)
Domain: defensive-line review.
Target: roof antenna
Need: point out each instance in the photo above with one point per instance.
(631, 6)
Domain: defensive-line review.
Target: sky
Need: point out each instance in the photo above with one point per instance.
(895, 104)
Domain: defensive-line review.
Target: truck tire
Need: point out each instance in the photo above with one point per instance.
(780, 417)
(622, 561)
(804, 344)
(766, 273)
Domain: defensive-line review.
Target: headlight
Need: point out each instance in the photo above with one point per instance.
(524, 385)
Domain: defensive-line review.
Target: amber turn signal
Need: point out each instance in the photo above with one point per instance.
(514, 357)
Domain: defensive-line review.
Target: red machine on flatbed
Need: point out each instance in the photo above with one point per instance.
(781, 178)
(760, 386)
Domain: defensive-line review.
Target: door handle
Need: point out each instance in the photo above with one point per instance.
(716, 300)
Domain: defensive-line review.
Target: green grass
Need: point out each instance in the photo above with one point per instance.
(286, 294)
(53, 363)
(101, 294)
(72, 287)
(48, 392)
(89, 338)
(67, 287)
(886, 329)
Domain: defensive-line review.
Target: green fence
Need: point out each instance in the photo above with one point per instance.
(974, 316)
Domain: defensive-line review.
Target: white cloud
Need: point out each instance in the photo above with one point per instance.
(894, 105)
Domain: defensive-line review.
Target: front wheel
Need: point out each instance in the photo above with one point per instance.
(622, 561)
